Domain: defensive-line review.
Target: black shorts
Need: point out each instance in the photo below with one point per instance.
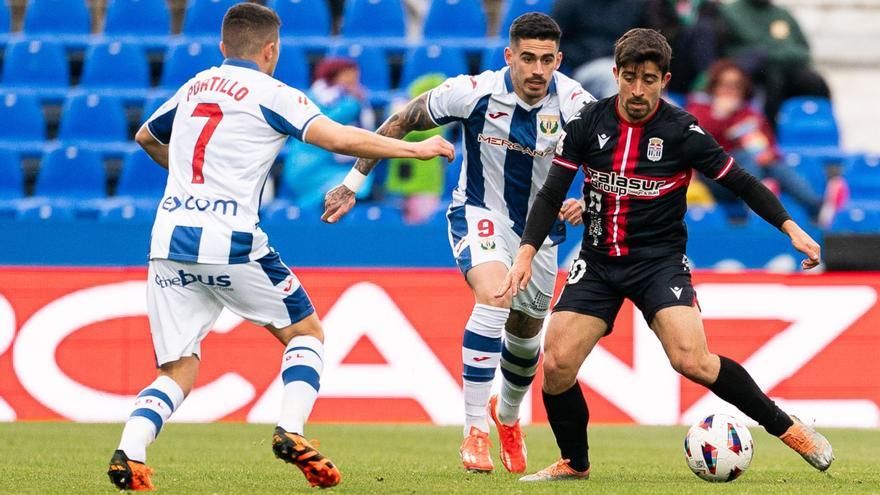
(598, 288)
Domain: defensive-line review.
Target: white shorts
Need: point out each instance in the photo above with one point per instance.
(478, 236)
(185, 299)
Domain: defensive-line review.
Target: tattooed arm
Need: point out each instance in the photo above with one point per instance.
(413, 117)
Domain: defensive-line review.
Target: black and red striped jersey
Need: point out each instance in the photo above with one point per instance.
(637, 177)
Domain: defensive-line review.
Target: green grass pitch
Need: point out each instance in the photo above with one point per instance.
(410, 459)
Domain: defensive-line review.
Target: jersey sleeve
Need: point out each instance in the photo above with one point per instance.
(571, 147)
(452, 100)
(703, 153)
(290, 112)
(572, 103)
(161, 122)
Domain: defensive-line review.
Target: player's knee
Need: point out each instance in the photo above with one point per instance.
(692, 365)
(523, 325)
(559, 373)
(487, 297)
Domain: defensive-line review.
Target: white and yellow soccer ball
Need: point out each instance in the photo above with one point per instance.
(719, 448)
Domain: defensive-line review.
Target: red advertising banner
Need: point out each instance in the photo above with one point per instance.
(75, 344)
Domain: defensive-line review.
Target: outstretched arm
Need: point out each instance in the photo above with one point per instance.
(413, 117)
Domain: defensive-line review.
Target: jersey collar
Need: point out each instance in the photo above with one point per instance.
(237, 62)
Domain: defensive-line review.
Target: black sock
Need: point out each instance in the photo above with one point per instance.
(736, 386)
(568, 416)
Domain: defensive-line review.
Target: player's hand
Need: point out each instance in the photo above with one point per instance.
(434, 146)
(572, 211)
(520, 273)
(803, 243)
(337, 202)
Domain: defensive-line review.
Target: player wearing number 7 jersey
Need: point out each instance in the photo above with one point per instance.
(512, 119)
(219, 136)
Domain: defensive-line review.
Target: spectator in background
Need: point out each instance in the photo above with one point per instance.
(726, 113)
(310, 171)
(690, 27)
(418, 182)
(767, 42)
(589, 30)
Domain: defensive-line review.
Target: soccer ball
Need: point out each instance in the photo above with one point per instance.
(719, 448)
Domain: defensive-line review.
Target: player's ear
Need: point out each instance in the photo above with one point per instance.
(508, 55)
(666, 78)
(223, 49)
(559, 57)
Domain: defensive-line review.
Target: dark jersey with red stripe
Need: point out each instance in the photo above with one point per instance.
(637, 177)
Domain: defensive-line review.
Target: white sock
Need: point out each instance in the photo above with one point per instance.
(301, 369)
(152, 408)
(480, 352)
(519, 363)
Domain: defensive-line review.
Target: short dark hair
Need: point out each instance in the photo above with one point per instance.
(534, 26)
(641, 45)
(247, 28)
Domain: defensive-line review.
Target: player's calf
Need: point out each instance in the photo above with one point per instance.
(126, 474)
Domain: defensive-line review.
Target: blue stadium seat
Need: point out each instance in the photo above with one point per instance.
(138, 18)
(807, 121)
(863, 176)
(385, 214)
(68, 21)
(809, 166)
(36, 66)
(858, 217)
(141, 177)
(11, 176)
(373, 19)
(375, 72)
(285, 210)
(706, 218)
(185, 60)
(455, 19)
(302, 17)
(293, 67)
(205, 17)
(21, 118)
(93, 117)
(70, 172)
(118, 66)
(493, 58)
(516, 8)
(5, 23)
(426, 59)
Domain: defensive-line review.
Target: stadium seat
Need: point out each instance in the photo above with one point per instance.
(516, 8)
(5, 23)
(71, 184)
(138, 18)
(493, 58)
(36, 66)
(11, 176)
(385, 214)
(205, 17)
(858, 217)
(285, 210)
(67, 21)
(185, 60)
(116, 65)
(293, 67)
(21, 118)
(373, 19)
(375, 73)
(807, 121)
(141, 177)
(863, 176)
(82, 112)
(426, 59)
(302, 17)
(455, 19)
(706, 218)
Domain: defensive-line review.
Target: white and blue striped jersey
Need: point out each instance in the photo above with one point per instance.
(224, 129)
(508, 144)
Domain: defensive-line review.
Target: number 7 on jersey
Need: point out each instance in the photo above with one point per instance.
(215, 115)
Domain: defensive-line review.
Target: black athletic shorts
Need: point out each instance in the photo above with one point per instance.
(598, 288)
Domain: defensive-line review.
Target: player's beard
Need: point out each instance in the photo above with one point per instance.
(637, 109)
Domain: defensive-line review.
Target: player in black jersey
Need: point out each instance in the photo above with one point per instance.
(638, 154)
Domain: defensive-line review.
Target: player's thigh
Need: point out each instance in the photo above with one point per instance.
(570, 338)
(310, 325)
(680, 330)
(535, 300)
(478, 241)
(181, 307)
(267, 293)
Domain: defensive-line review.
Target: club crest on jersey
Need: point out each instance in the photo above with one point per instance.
(549, 124)
(655, 149)
(488, 244)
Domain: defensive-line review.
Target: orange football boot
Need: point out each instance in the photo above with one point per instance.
(474, 451)
(295, 449)
(513, 446)
(809, 443)
(129, 475)
(559, 470)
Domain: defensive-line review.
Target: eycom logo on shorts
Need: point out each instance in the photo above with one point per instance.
(183, 279)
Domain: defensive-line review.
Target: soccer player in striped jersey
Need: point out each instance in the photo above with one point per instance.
(218, 136)
(638, 154)
(512, 119)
